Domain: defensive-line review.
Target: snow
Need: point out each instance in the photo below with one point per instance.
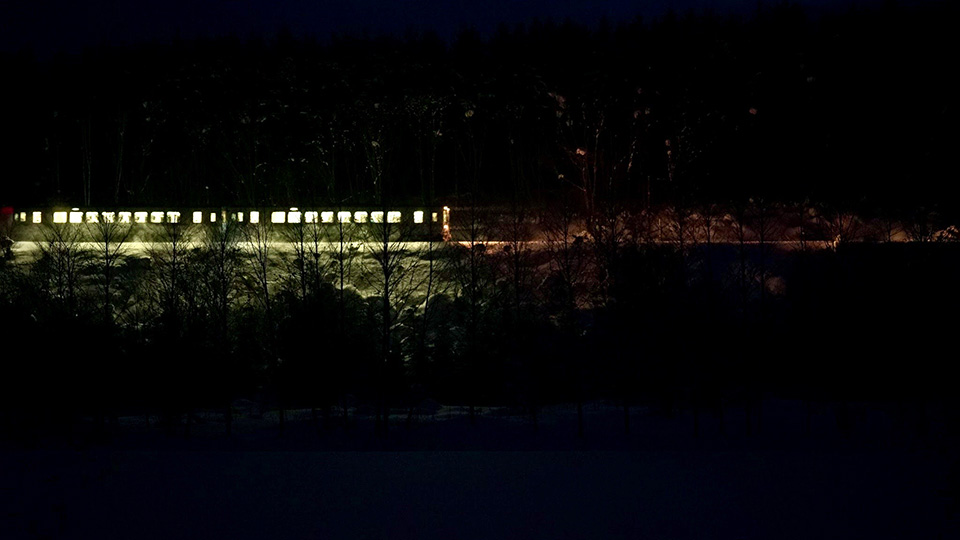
(445, 478)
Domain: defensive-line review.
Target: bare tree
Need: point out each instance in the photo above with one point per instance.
(394, 279)
(609, 232)
(110, 237)
(303, 238)
(566, 244)
(257, 237)
(802, 212)
(920, 225)
(515, 260)
(118, 163)
(767, 226)
(738, 218)
(221, 262)
(839, 224)
(601, 144)
(220, 273)
(86, 150)
(890, 227)
(63, 258)
(472, 271)
(427, 121)
(170, 272)
(344, 248)
(174, 304)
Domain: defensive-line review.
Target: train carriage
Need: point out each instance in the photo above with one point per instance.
(405, 223)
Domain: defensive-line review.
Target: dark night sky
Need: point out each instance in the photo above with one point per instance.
(48, 26)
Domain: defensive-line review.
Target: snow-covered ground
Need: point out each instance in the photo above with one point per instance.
(442, 477)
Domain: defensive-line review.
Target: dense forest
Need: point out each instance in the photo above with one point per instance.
(853, 108)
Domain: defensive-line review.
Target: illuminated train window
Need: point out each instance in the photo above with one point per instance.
(291, 216)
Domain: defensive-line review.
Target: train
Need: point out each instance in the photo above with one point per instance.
(411, 223)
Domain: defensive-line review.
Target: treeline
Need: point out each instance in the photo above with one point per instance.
(852, 108)
(344, 318)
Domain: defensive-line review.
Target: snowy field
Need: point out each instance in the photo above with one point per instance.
(441, 477)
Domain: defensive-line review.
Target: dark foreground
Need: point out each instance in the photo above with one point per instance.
(882, 476)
